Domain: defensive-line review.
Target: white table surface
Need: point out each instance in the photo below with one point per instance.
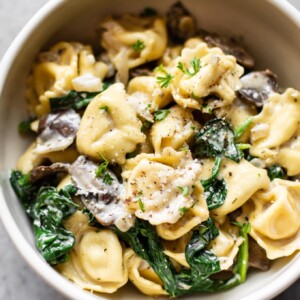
(17, 280)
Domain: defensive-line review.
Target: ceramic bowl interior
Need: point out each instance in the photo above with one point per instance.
(270, 30)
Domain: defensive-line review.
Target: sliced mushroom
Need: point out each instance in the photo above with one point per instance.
(57, 131)
(257, 256)
(181, 25)
(231, 47)
(258, 86)
(99, 196)
(41, 172)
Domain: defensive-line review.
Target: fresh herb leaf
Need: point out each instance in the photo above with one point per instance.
(163, 81)
(104, 107)
(107, 179)
(138, 46)
(141, 205)
(184, 190)
(161, 114)
(149, 12)
(183, 210)
(276, 171)
(25, 126)
(216, 138)
(102, 167)
(195, 64)
(239, 131)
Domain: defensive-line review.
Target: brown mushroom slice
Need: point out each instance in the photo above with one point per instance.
(41, 172)
(257, 256)
(181, 25)
(231, 47)
(257, 87)
(100, 196)
(57, 131)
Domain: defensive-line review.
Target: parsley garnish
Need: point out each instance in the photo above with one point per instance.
(195, 64)
(104, 107)
(163, 81)
(102, 168)
(183, 210)
(140, 202)
(107, 178)
(184, 190)
(138, 46)
(161, 114)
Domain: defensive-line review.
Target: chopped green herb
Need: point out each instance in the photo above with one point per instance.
(138, 46)
(104, 107)
(141, 204)
(164, 81)
(239, 131)
(107, 179)
(195, 64)
(184, 149)
(184, 190)
(102, 168)
(183, 210)
(161, 114)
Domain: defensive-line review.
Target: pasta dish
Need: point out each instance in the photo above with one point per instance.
(166, 159)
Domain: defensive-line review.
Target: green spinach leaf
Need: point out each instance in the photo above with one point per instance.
(215, 190)
(276, 171)
(75, 100)
(216, 139)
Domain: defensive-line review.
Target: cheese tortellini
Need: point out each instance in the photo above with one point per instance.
(65, 67)
(109, 126)
(91, 265)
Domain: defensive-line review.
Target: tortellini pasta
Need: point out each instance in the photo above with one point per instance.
(274, 216)
(242, 181)
(66, 66)
(142, 275)
(218, 75)
(90, 264)
(109, 126)
(174, 131)
(275, 125)
(131, 41)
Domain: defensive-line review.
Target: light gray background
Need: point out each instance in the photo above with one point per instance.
(17, 280)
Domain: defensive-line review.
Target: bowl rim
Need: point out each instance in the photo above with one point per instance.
(285, 278)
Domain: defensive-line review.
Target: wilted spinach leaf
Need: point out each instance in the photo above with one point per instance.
(276, 171)
(75, 100)
(143, 239)
(23, 188)
(48, 211)
(25, 126)
(216, 139)
(215, 190)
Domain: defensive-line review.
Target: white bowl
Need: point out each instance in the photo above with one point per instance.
(271, 31)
